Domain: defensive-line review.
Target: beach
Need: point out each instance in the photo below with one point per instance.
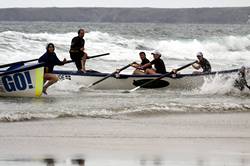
(185, 139)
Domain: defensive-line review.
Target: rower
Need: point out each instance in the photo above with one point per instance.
(50, 59)
(241, 82)
(158, 65)
(144, 61)
(202, 63)
(77, 51)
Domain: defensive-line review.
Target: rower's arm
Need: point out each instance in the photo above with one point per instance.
(135, 65)
(42, 58)
(146, 65)
(197, 66)
(58, 62)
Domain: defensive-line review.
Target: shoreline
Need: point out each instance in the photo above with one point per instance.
(174, 137)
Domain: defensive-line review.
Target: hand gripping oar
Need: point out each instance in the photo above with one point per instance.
(11, 64)
(162, 76)
(110, 75)
(90, 57)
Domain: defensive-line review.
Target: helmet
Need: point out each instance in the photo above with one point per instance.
(156, 53)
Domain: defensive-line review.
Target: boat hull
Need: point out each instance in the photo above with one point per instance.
(22, 82)
(124, 82)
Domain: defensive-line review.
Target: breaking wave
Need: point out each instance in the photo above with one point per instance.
(18, 45)
(120, 113)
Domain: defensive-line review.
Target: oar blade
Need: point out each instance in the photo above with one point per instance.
(131, 90)
(89, 86)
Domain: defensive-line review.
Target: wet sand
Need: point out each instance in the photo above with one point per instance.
(173, 139)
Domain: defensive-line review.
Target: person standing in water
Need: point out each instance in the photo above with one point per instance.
(241, 81)
(77, 51)
(50, 59)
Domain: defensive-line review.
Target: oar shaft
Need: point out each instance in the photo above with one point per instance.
(95, 56)
(110, 75)
(183, 67)
(103, 79)
(90, 57)
(14, 63)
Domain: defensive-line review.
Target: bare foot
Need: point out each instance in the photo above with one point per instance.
(45, 91)
(83, 70)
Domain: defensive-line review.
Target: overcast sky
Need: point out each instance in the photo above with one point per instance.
(124, 3)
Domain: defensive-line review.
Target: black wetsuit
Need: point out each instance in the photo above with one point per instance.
(241, 82)
(159, 66)
(75, 53)
(205, 65)
(145, 61)
(50, 60)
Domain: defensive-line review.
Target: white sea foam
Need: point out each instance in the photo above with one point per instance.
(221, 85)
(218, 84)
(234, 50)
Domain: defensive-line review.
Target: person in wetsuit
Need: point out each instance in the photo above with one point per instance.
(144, 61)
(77, 51)
(202, 63)
(241, 81)
(158, 65)
(50, 59)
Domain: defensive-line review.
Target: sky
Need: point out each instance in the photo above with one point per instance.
(125, 3)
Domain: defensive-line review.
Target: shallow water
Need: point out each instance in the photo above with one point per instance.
(206, 126)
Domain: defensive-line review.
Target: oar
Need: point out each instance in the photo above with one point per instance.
(31, 60)
(95, 56)
(11, 64)
(110, 75)
(90, 57)
(162, 76)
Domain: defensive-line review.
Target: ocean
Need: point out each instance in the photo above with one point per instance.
(148, 127)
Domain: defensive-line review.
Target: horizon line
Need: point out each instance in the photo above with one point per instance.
(126, 7)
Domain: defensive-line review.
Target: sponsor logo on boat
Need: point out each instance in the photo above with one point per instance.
(64, 77)
(17, 82)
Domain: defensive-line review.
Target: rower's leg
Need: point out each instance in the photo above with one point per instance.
(139, 72)
(84, 58)
(52, 78)
(150, 71)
